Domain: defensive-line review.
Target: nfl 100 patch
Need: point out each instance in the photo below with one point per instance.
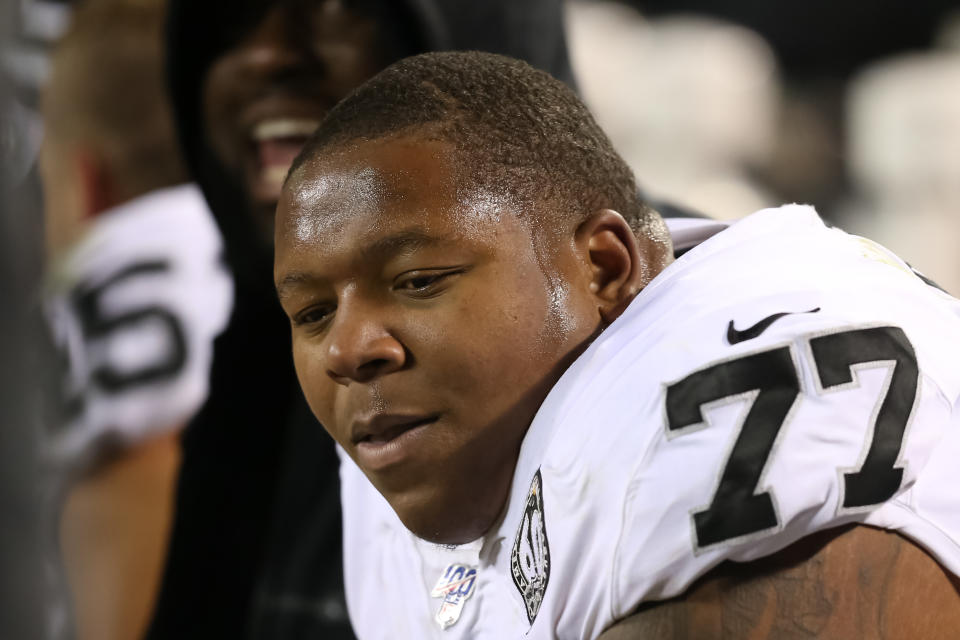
(530, 560)
(455, 585)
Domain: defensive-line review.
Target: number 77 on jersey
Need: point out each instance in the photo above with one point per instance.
(771, 379)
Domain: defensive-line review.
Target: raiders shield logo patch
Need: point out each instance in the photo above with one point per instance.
(530, 560)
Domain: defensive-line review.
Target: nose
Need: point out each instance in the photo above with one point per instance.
(360, 348)
(274, 45)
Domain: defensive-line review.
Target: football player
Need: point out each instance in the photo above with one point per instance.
(136, 292)
(256, 545)
(548, 425)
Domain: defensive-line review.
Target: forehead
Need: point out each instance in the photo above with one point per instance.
(322, 40)
(334, 19)
(374, 186)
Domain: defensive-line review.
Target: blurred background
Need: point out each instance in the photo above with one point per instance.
(729, 106)
(725, 107)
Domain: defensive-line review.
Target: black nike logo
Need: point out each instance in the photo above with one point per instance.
(734, 336)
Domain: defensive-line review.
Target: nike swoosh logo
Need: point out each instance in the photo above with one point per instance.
(734, 336)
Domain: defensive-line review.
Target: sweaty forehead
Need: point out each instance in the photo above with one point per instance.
(377, 179)
(327, 192)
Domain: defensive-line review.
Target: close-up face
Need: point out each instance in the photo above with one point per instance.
(427, 328)
(264, 97)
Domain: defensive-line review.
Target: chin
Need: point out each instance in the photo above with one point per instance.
(452, 520)
(442, 532)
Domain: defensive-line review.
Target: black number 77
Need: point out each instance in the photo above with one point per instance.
(736, 510)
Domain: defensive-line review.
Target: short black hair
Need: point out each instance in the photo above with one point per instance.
(514, 128)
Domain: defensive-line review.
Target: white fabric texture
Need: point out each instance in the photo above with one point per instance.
(620, 485)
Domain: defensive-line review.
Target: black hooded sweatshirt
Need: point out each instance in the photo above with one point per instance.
(256, 544)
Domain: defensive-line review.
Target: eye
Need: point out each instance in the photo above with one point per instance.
(420, 282)
(317, 315)
(425, 282)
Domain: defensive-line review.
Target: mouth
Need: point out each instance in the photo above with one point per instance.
(389, 439)
(276, 143)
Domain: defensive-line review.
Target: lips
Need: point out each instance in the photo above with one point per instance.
(387, 439)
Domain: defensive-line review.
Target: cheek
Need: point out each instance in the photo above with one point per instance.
(219, 103)
(494, 346)
(519, 344)
(316, 384)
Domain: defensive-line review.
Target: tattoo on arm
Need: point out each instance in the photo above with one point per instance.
(851, 582)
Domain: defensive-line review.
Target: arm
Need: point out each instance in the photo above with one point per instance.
(854, 582)
(114, 533)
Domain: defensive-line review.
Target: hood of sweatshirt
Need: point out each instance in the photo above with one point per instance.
(200, 31)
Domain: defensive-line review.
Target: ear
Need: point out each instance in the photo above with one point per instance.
(97, 190)
(616, 263)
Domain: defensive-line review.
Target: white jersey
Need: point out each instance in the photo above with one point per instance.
(134, 309)
(779, 379)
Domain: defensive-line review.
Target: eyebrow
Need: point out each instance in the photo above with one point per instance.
(291, 281)
(400, 242)
(388, 246)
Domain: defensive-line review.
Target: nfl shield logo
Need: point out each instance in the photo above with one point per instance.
(456, 584)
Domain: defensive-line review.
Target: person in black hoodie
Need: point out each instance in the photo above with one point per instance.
(255, 550)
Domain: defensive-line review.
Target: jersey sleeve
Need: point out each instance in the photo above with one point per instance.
(133, 311)
(804, 400)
